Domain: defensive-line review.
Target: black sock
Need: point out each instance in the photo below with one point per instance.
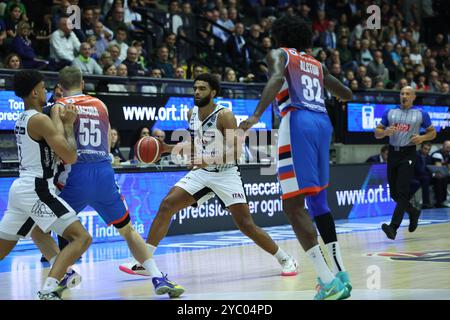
(327, 228)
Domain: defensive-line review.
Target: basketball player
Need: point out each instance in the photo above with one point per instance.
(297, 82)
(208, 124)
(91, 181)
(33, 204)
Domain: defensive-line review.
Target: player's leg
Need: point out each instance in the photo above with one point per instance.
(298, 173)
(176, 200)
(392, 175)
(142, 254)
(244, 221)
(6, 246)
(45, 243)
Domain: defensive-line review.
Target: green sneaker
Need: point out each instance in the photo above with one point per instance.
(335, 290)
(345, 279)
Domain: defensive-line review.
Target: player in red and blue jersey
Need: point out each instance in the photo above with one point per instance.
(90, 181)
(297, 82)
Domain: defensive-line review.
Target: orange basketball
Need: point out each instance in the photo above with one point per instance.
(148, 149)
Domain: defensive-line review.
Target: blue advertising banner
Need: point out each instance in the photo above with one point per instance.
(364, 117)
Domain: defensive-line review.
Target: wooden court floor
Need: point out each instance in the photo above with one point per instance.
(419, 269)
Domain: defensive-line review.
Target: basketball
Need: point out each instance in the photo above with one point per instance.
(148, 149)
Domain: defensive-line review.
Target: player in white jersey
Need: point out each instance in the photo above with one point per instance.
(33, 207)
(209, 124)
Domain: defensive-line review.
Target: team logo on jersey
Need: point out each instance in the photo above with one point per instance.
(428, 256)
(41, 210)
(403, 127)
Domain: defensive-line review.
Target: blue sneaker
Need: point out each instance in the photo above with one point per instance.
(345, 279)
(71, 280)
(164, 285)
(335, 290)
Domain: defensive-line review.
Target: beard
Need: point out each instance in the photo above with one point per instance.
(203, 102)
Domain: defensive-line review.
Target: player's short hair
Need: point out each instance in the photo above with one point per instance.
(211, 79)
(292, 32)
(70, 78)
(25, 81)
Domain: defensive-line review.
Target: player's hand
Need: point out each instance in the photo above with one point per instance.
(68, 114)
(416, 139)
(390, 131)
(250, 122)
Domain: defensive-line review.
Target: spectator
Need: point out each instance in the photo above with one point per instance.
(174, 20)
(105, 59)
(366, 56)
(120, 39)
(177, 88)
(122, 70)
(101, 43)
(415, 56)
(320, 25)
(336, 72)
(162, 62)
(131, 14)
(3, 36)
(435, 84)
(354, 85)
(381, 157)
(445, 88)
(345, 53)
(115, 146)
(140, 133)
(116, 21)
(85, 63)
(159, 134)
(237, 50)
(134, 68)
(349, 76)
(87, 24)
(114, 50)
(421, 84)
(328, 38)
(377, 69)
(170, 42)
(402, 83)
(422, 176)
(63, 46)
(322, 56)
(361, 73)
(197, 70)
(367, 83)
(441, 158)
(225, 22)
(379, 85)
(12, 61)
(22, 46)
(12, 20)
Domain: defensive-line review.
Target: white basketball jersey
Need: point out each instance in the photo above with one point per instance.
(36, 159)
(207, 138)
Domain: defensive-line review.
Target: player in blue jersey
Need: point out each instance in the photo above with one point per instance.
(90, 181)
(297, 82)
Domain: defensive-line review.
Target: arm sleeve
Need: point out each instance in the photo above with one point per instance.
(426, 121)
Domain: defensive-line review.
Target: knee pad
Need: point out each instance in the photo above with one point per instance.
(318, 204)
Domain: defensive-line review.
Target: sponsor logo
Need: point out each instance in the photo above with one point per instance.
(238, 196)
(403, 127)
(428, 256)
(41, 210)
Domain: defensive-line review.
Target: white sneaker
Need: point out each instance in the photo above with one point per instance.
(134, 268)
(290, 267)
(52, 295)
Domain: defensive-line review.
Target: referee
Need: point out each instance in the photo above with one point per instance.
(402, 125)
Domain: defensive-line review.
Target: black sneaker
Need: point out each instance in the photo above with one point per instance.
(43, 259)
(390, 232)
(413, 221)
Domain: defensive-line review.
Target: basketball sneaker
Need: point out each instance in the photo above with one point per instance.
(335, 290)
(290, 267)
(413, 220)
(389, 231)
(70, 280)
(345, 279)
(51, 295)
(134, 268)
(163, 285)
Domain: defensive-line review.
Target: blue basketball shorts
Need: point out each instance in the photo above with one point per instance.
(304, 139)
(94, 184)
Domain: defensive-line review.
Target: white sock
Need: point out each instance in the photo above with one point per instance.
(281, 255)
(50, 284)
(151, 249)
(324, 273)
(52, 260)
(334, 251)
(150, 266)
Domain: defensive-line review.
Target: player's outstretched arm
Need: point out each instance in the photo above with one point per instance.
(276, 61)
(336, 87)
(41, 127)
